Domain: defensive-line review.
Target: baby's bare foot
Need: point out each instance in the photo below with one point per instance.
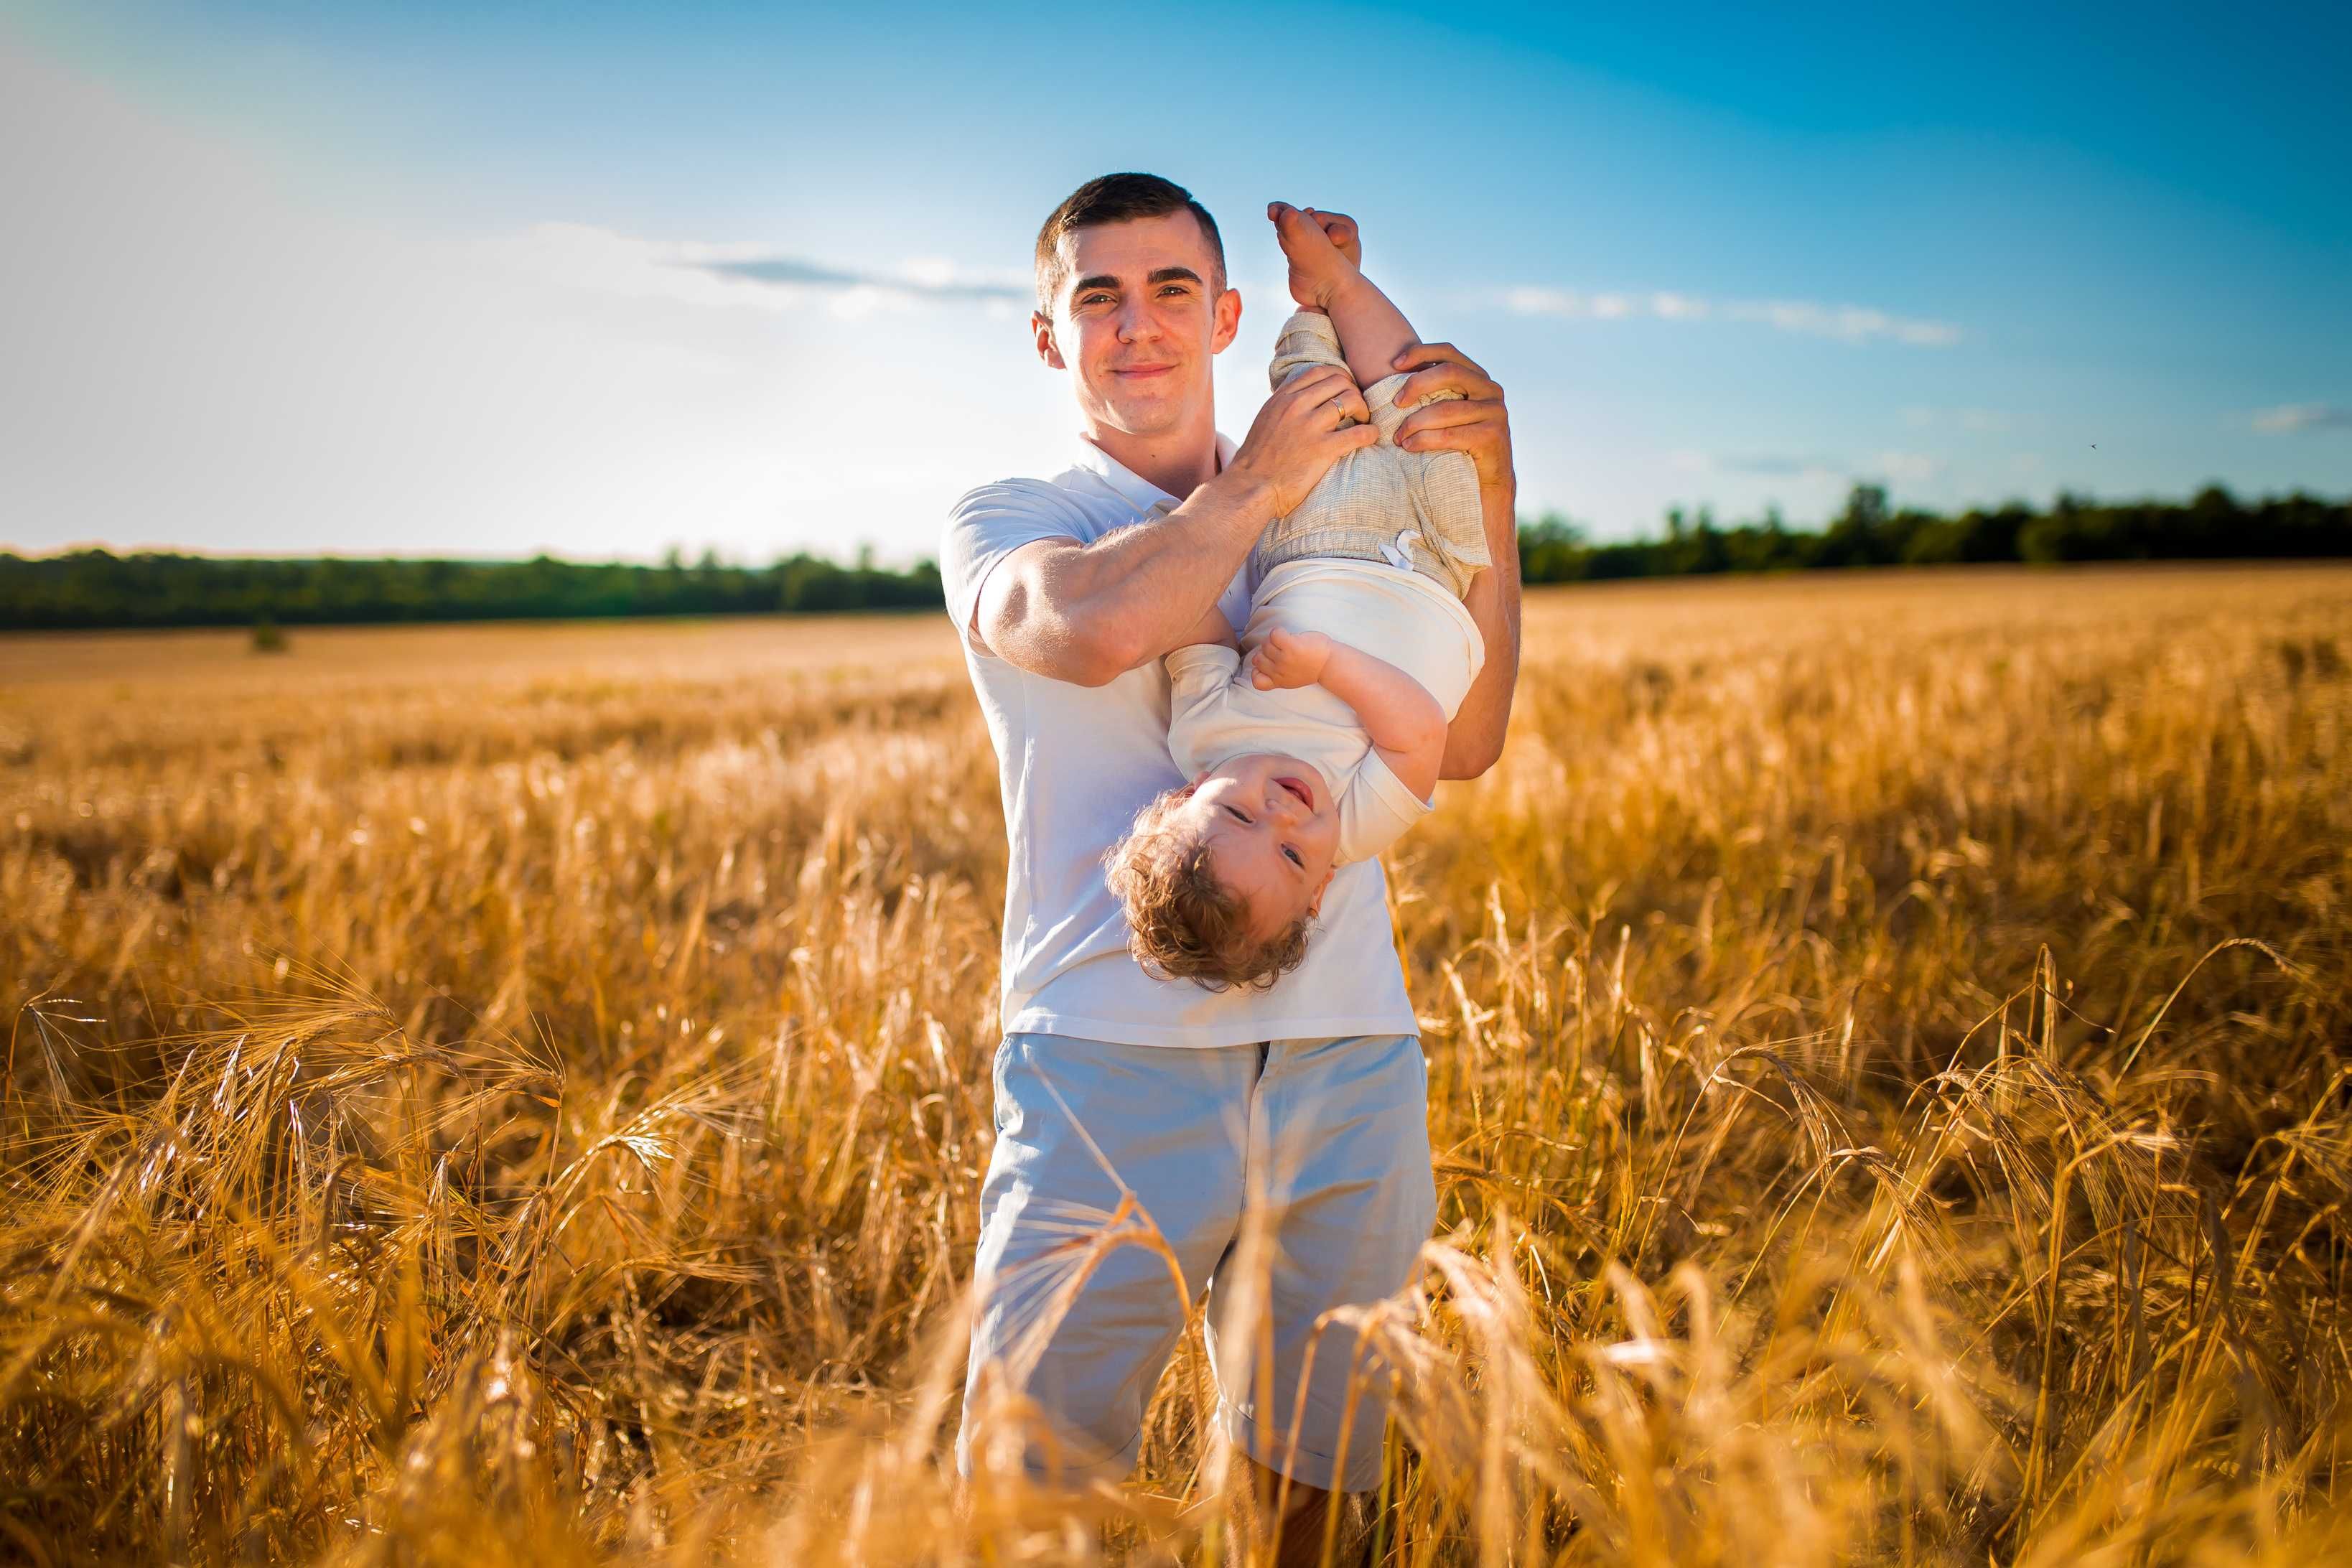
(1319, 269)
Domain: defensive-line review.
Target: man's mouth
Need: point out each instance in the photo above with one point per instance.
(1298, 787)
(1136, 371)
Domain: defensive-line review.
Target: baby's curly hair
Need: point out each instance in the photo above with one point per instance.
(1182, 923)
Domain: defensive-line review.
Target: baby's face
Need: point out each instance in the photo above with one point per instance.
(1272, 830)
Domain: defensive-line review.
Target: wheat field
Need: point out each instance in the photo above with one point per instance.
(518, 1094)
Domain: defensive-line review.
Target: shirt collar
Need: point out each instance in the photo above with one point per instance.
(1132, 487)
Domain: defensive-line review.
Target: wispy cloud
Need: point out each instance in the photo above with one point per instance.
(2292, 416)
(1975, 421)
(1847, 323)
(1892, 466)
(606, 261)
(1775, 466)
(929, 279)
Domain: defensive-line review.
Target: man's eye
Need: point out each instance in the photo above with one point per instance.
(1093, 299)
(1175, 289)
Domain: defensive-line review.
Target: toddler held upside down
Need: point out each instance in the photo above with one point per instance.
(1305, 749)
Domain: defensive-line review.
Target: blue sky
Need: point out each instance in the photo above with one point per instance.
(470, 278)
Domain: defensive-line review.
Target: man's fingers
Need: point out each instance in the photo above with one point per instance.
(1443, 416)
(1432, 353)
(1424, 384)
(1317, 385)
(1330, 386)
(1457, 433)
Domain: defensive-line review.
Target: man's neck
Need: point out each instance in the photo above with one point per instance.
(1177, 464)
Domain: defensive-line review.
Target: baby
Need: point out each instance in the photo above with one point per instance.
(1306, 749)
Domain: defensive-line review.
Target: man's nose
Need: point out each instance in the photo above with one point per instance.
(1136, 321)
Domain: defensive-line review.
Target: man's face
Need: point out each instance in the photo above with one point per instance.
(1137, 324)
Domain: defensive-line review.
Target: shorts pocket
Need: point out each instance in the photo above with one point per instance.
(1001, 1100)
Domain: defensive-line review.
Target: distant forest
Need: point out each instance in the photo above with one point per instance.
(93, 589)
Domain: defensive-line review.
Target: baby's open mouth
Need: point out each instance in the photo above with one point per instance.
(1298, 787)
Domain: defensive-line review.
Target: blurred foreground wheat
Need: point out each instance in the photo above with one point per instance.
(519, 1095)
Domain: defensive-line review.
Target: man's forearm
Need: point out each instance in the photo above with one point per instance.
(1475, 738)
(1141, 591)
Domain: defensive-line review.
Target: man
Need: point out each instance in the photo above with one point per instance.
(1308, 1100)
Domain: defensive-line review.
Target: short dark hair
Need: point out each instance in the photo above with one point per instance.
(1116, 198)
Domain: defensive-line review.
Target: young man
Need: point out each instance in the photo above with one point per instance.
(1308, 1099)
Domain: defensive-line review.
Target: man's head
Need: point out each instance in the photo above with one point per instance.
(1219, 877)
(1132, 300)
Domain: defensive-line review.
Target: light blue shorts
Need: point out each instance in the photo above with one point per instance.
(1331, 1136)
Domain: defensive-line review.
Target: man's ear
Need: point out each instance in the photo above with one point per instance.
(1225, 319)
(1042, 325)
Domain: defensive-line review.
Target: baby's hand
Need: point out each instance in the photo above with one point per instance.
(1287, 659)
(1322, 249)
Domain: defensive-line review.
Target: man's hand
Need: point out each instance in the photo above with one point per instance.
(1287, 659)
(1477, 423)
(1299, 435)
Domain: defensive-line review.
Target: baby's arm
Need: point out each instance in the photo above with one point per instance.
(1406, 724)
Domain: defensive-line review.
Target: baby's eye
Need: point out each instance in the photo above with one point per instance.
(1294, 860)
(1237, 814)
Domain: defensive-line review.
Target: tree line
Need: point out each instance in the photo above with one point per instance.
(94, 588)
(2213, 525)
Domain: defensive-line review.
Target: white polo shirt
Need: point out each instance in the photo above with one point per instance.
(1075, 763)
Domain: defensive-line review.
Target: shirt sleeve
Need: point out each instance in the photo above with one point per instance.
(989, 524)
(1375, 810)
(1200, 688)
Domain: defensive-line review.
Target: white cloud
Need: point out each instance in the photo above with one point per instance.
(601, 260)
(1542, 302)
(1847, 323)
(1813, 469)
(1975, 421)
(2293, 416)
(1907, 468)
(200, 357)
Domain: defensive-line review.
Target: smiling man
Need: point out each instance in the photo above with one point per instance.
(1308, 1099)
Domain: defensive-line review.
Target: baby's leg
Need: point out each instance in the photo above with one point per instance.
(1372, 330)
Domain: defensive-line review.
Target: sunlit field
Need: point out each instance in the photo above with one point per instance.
(519, 1094)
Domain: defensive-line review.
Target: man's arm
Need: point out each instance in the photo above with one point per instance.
(1478, 423)
(1212, 629)
(1090, 613)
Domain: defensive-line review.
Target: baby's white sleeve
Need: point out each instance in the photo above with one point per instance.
(1200, 686)
(1375, 810)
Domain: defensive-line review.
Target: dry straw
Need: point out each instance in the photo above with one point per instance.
(476, 1099)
